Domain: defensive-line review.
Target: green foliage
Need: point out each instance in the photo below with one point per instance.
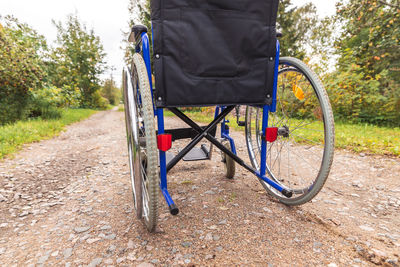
(366, 85)
(13, 136)
(296, 25)
(111, 92)
(77, 62)
(21, 68)
(97, 101)
(371, 36)
(356, 97)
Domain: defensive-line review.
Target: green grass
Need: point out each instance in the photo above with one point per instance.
(13, 136)
(121, 107)
(358, 138)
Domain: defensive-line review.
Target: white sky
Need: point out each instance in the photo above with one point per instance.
(107, 18)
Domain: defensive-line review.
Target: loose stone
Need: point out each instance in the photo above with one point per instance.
(67, 253)
(95, 262)
(82, 229)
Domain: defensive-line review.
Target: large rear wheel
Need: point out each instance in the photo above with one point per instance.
(301, 157)
(147, 146)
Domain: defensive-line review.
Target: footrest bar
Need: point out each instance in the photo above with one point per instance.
(283, 191)
(173, 209)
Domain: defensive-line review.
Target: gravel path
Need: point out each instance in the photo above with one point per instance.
(67, 201)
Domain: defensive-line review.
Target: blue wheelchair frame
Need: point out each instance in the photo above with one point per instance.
(220, 113)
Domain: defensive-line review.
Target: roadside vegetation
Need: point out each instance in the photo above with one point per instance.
(44, 87)
(13, 136)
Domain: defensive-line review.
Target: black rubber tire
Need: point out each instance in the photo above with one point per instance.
(229, 163)
(149, 150)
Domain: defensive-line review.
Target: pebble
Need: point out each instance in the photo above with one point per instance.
(110, 237)
(92, 240)
(145, 264)
(208, 237)
(131, 257)
(109, 261)
(43, 259)
(67, 253)
(222, 222)
(95, 262)
(55, 253)
(83, 238)
(186, 244)
(105, 227)
(212, 227)
(379, 253)
(119, 260)
(267, 210)
(2, 198)
(82, 229)
(209, 257)
(216, 237)
(3, 225)
(111, 249)
(332, 265)
(2, 251)
(366, 228)
(131, 244)
(24, 213)
(209, 192)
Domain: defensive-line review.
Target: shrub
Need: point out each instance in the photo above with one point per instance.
(21, 68)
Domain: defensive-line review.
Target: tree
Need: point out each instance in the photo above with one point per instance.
(370, 46)
(110, 91)
(297, 25)
(371, 36)
(22, 69)
(78, 61)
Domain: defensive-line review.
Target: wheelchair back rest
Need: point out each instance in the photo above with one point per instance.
(213, 51)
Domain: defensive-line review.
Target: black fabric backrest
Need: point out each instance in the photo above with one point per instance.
(210, 52)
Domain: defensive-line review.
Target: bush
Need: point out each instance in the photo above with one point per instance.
(45, 103)
(357, 97)
(21, 69)
(97, 101)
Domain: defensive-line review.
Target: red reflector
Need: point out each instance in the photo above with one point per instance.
(164, 142)
(271, 134)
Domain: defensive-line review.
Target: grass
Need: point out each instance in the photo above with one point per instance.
(358, 138)
(121, 107)
(13, 136)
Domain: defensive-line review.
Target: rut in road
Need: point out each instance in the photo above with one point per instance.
(68, 201)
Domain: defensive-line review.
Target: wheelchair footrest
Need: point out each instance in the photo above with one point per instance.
(197, 153)
(169, 156)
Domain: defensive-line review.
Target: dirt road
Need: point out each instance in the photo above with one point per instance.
(67, 201)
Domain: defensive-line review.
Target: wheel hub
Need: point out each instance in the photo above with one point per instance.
(283, 131)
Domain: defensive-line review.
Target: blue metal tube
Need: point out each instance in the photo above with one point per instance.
(276, 72)
(263, 141)
(163, 166)
(270, 182)
(146, 56)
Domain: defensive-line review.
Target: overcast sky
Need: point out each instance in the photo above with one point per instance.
(107, 18)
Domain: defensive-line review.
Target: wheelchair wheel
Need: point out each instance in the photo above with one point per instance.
(132, 135)
(301, 157)
(229, 163)
(146, 151)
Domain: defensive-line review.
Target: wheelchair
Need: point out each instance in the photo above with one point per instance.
(223, 54)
